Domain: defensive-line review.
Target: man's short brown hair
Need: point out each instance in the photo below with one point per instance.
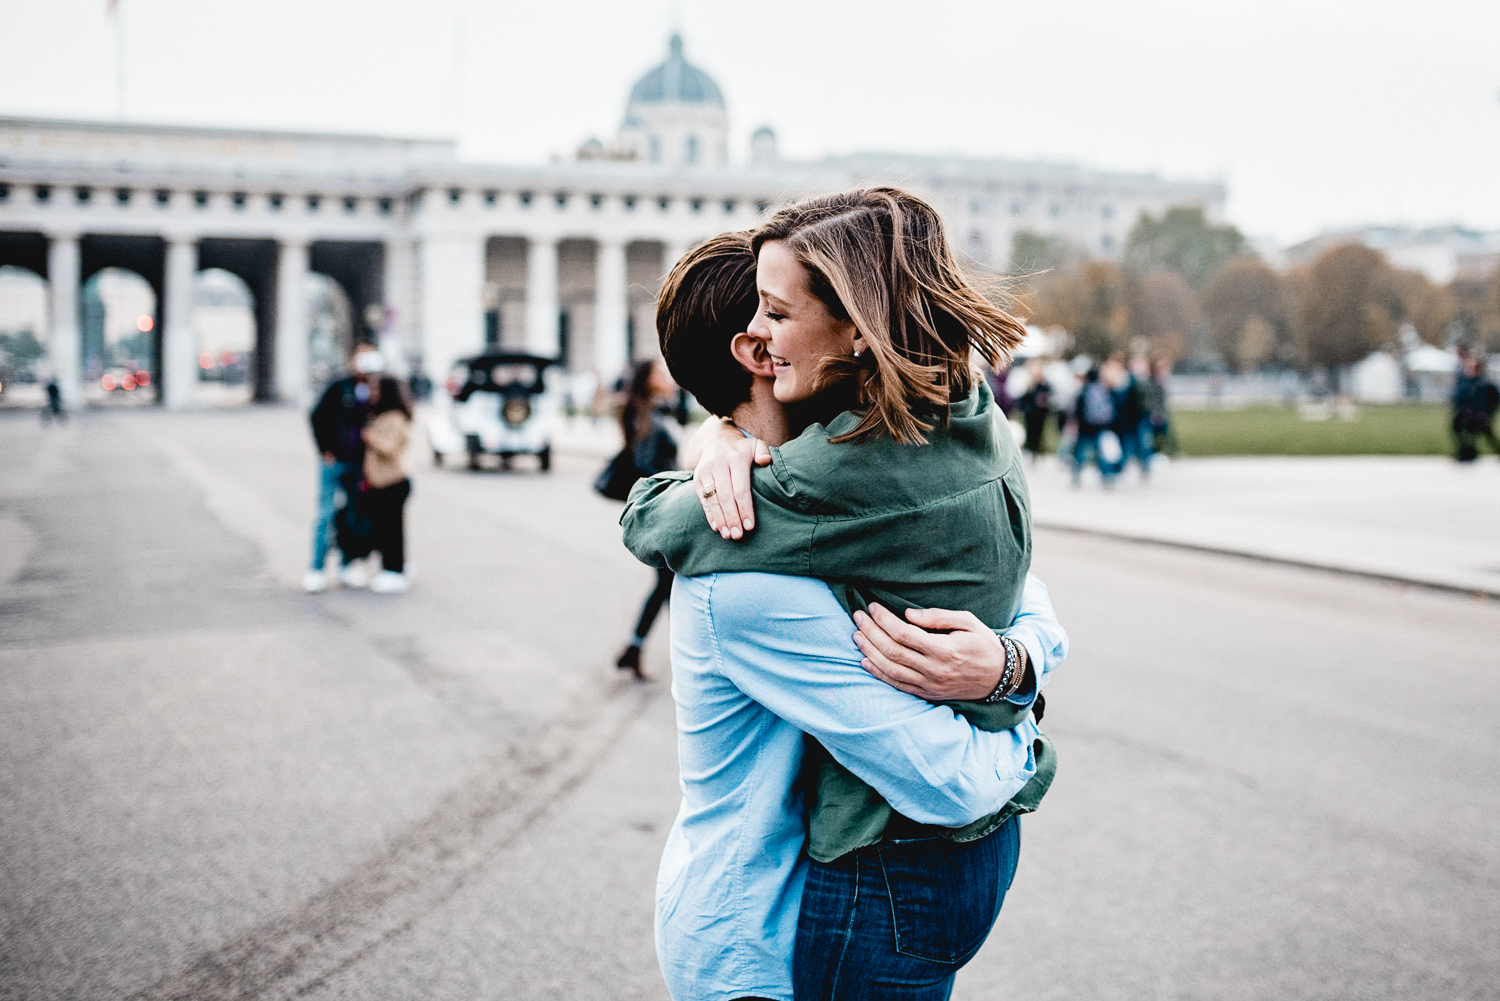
(708, 297)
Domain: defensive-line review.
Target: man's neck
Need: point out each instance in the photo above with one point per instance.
(763, 415)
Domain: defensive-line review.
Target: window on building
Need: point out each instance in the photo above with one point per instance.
(385, 205)
(597, 201)
(1016, 208)
(525, 197)
(762, 206)
(83, 194)
(1107, 212)
(697, 204)
(455, 195)
(663, 202)
(728, 205)
(561, 198)
(1107, 243)
(42, 192)
(200, 199)
(4, 192)
(629, 201)
(164, 198)
(238, 198)
(690, 153)
(275, 200)
(350, 203)
(313, 201)
(492, 328)
(489, 198)
(122, 196)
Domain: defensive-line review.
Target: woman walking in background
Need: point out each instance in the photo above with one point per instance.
(386, 487)
(652, 449)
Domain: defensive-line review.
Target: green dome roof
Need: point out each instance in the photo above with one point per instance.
(676, 80)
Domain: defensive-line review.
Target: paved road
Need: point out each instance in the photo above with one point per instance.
(1275, 783)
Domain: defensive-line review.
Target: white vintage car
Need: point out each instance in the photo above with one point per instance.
(495, 404)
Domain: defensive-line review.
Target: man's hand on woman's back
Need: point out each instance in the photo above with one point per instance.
(961, 663)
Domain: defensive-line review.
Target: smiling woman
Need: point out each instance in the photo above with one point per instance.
(863, 287)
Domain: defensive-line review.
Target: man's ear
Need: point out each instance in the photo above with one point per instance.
(752, 355)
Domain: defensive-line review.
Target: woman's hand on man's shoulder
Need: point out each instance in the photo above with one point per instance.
(721, 458)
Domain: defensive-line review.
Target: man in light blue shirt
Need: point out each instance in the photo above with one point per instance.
(757, 661)
(760, 660)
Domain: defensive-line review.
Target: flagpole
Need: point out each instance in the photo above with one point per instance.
(118, 17)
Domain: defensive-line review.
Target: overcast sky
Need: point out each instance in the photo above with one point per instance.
(1317, 113)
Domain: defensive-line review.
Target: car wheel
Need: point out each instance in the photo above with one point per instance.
(545, 455)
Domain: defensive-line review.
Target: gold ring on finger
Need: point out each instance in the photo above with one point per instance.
(709, 493)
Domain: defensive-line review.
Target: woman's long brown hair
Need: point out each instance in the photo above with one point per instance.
(880, 259)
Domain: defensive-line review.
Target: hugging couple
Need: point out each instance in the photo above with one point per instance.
(851, 789)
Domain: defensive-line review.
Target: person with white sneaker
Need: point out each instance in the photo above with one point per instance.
(385, 487)
(337, 424)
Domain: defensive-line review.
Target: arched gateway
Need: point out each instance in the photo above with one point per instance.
(438, 257)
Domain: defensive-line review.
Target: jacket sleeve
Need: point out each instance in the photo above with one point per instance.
(664, 525)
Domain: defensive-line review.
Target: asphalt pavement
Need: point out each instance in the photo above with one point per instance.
(1274, 782)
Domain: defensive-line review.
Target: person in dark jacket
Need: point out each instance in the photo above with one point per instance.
(1093, 413)
(1475, 400)
(338, 423)
(1036, 407)
(652, 397)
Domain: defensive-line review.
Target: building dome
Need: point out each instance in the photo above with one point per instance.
(676, 116)
(676, 80)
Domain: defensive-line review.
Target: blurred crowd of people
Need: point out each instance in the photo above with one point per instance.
(1106, 415)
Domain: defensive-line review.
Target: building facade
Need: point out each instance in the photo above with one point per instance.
(439, 257)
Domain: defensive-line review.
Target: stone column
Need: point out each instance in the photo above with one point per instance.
(179, 344)
(610, 310)
(450, 310)
(398, 340)
(541, 297)
(64, 345)
(291, 324)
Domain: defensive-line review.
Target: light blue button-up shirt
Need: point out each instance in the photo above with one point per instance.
(758, 660)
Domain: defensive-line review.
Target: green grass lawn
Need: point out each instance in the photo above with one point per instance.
(1390, 429)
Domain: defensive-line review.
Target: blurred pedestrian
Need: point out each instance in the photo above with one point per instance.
(338, 423)
(1093, 414)
(1158, 415)
(650, 448)
(1130, 415)
(54, 411)
(385, 487)
(1036, 408)
(1475, 400)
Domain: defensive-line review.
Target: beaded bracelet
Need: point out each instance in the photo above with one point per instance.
(1011, 677)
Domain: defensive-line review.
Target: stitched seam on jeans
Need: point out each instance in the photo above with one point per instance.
(838, 968)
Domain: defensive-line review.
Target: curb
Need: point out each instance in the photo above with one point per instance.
(1487, 592)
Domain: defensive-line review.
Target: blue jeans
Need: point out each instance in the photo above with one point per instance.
(1086, 450)
(330, 490)
(898, 919)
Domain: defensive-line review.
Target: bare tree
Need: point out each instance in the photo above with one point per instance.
(1163, 312)
(1245, 290)
(1348, 307)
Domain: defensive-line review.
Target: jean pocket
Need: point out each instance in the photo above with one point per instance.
(945, 896)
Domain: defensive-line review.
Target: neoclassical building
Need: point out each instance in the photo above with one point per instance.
(439, 257)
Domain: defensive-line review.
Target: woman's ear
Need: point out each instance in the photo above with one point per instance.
(752, 354)
(860, 344)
